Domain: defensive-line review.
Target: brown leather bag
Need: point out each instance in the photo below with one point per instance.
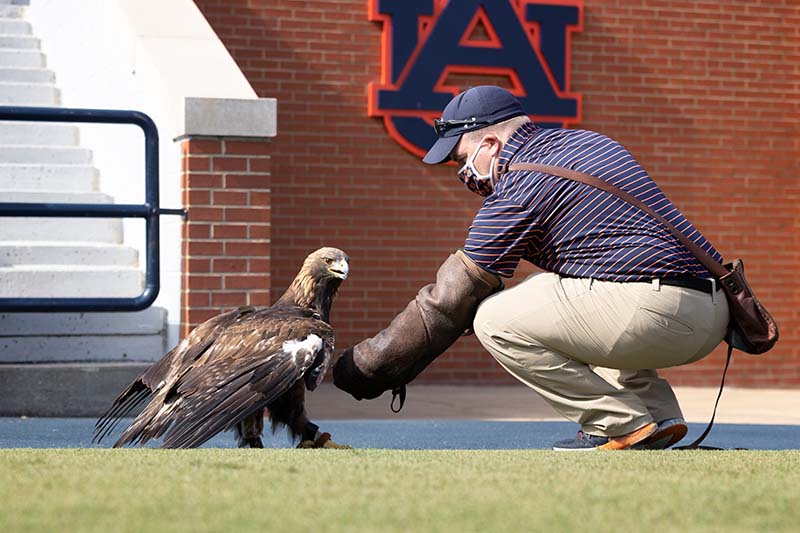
(751, 329)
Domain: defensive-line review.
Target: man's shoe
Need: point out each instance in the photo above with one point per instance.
(669, 432)
(584, 442)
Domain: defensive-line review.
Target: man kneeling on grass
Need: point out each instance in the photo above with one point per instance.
(621, 296)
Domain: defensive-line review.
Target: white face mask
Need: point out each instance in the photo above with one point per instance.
(481, 184)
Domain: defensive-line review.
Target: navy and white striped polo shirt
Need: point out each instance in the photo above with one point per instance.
(571, 228)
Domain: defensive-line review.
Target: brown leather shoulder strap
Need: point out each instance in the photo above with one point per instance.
(706, 260)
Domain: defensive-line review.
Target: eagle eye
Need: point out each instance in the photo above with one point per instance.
(328, 261)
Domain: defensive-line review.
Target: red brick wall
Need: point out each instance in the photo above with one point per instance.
(704, 94)
(226, 250)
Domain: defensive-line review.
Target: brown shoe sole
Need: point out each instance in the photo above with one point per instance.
(664, 438)
(626, 441)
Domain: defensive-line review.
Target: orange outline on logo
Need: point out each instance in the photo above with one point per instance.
(426, 23)
(483, 18)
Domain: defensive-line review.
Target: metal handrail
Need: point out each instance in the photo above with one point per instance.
(149, 211)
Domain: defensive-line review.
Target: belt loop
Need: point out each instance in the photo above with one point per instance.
(591, 281)
(656, 284)
(714, 291)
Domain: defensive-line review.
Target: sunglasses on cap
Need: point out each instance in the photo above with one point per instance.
(443, 126)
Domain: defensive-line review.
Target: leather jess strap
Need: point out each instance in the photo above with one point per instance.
(706, 260)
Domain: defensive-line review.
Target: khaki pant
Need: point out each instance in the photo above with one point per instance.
(588, 347)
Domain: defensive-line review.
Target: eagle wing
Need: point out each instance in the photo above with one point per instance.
(252, 361)
(176, 361)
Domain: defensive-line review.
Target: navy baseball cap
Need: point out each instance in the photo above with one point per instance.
(471, 110)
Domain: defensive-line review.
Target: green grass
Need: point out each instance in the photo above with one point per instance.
(382, 490)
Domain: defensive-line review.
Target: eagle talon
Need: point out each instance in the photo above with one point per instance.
(253, 443)
(323, 441)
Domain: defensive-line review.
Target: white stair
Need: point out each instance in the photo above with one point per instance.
(19, 42)
(106, 230)
(59, 155)
(80, 348)
(22, 74)
(29, 94)
(61, 337)
(67, 178)
(15, 253)
(61, 281)
(60, 229)
(42, 257)
(22, 58)
(38, 133)
(14, 26)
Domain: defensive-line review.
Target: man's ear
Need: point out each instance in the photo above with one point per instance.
(494, 144)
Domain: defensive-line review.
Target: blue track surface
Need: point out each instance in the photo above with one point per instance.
(402, 434)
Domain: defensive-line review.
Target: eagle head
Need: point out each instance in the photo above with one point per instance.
(318, 280)
(327, 263)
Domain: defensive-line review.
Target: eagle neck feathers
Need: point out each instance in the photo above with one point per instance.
(308, 291)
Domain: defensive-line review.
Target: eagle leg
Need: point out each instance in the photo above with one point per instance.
(289, 410)
(248, 431)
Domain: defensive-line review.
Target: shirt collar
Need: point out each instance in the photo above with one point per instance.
(514, 143)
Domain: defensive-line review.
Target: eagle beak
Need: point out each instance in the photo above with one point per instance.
(339, 269)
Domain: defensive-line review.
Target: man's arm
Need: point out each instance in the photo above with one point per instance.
(440, 313)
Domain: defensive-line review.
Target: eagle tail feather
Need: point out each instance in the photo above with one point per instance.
(212, 427)
(111, 423)
(206, 425)
(125, 402)
(208, 422)
(152, 431)
(152, 422)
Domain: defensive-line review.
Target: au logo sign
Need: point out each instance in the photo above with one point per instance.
(426, 41)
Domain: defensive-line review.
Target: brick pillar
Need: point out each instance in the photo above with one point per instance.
(226, 242)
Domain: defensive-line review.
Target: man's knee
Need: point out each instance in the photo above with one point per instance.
(485, 322)
(492, 326)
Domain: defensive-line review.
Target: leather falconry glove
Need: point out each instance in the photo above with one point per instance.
(430, 324)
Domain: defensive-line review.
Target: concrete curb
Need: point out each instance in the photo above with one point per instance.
(88, 389)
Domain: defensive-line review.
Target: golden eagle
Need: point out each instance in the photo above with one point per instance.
(234, 366)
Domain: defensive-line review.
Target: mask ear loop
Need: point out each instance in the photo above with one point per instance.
(493, 174)
(492, 164)
(493, 171)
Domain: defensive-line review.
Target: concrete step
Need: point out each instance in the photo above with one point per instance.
(37, 133)
(66, 253)
(92, 197)
(22, 58)
(64, 281)
(66, 178)
(59, 229)
(104, 230)
(12, 11)
(64, 389)
(45, 154)
(150, 321)
(20, 42)
(14, 26)
(80, 348)
(26, 74)
(29, 94)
